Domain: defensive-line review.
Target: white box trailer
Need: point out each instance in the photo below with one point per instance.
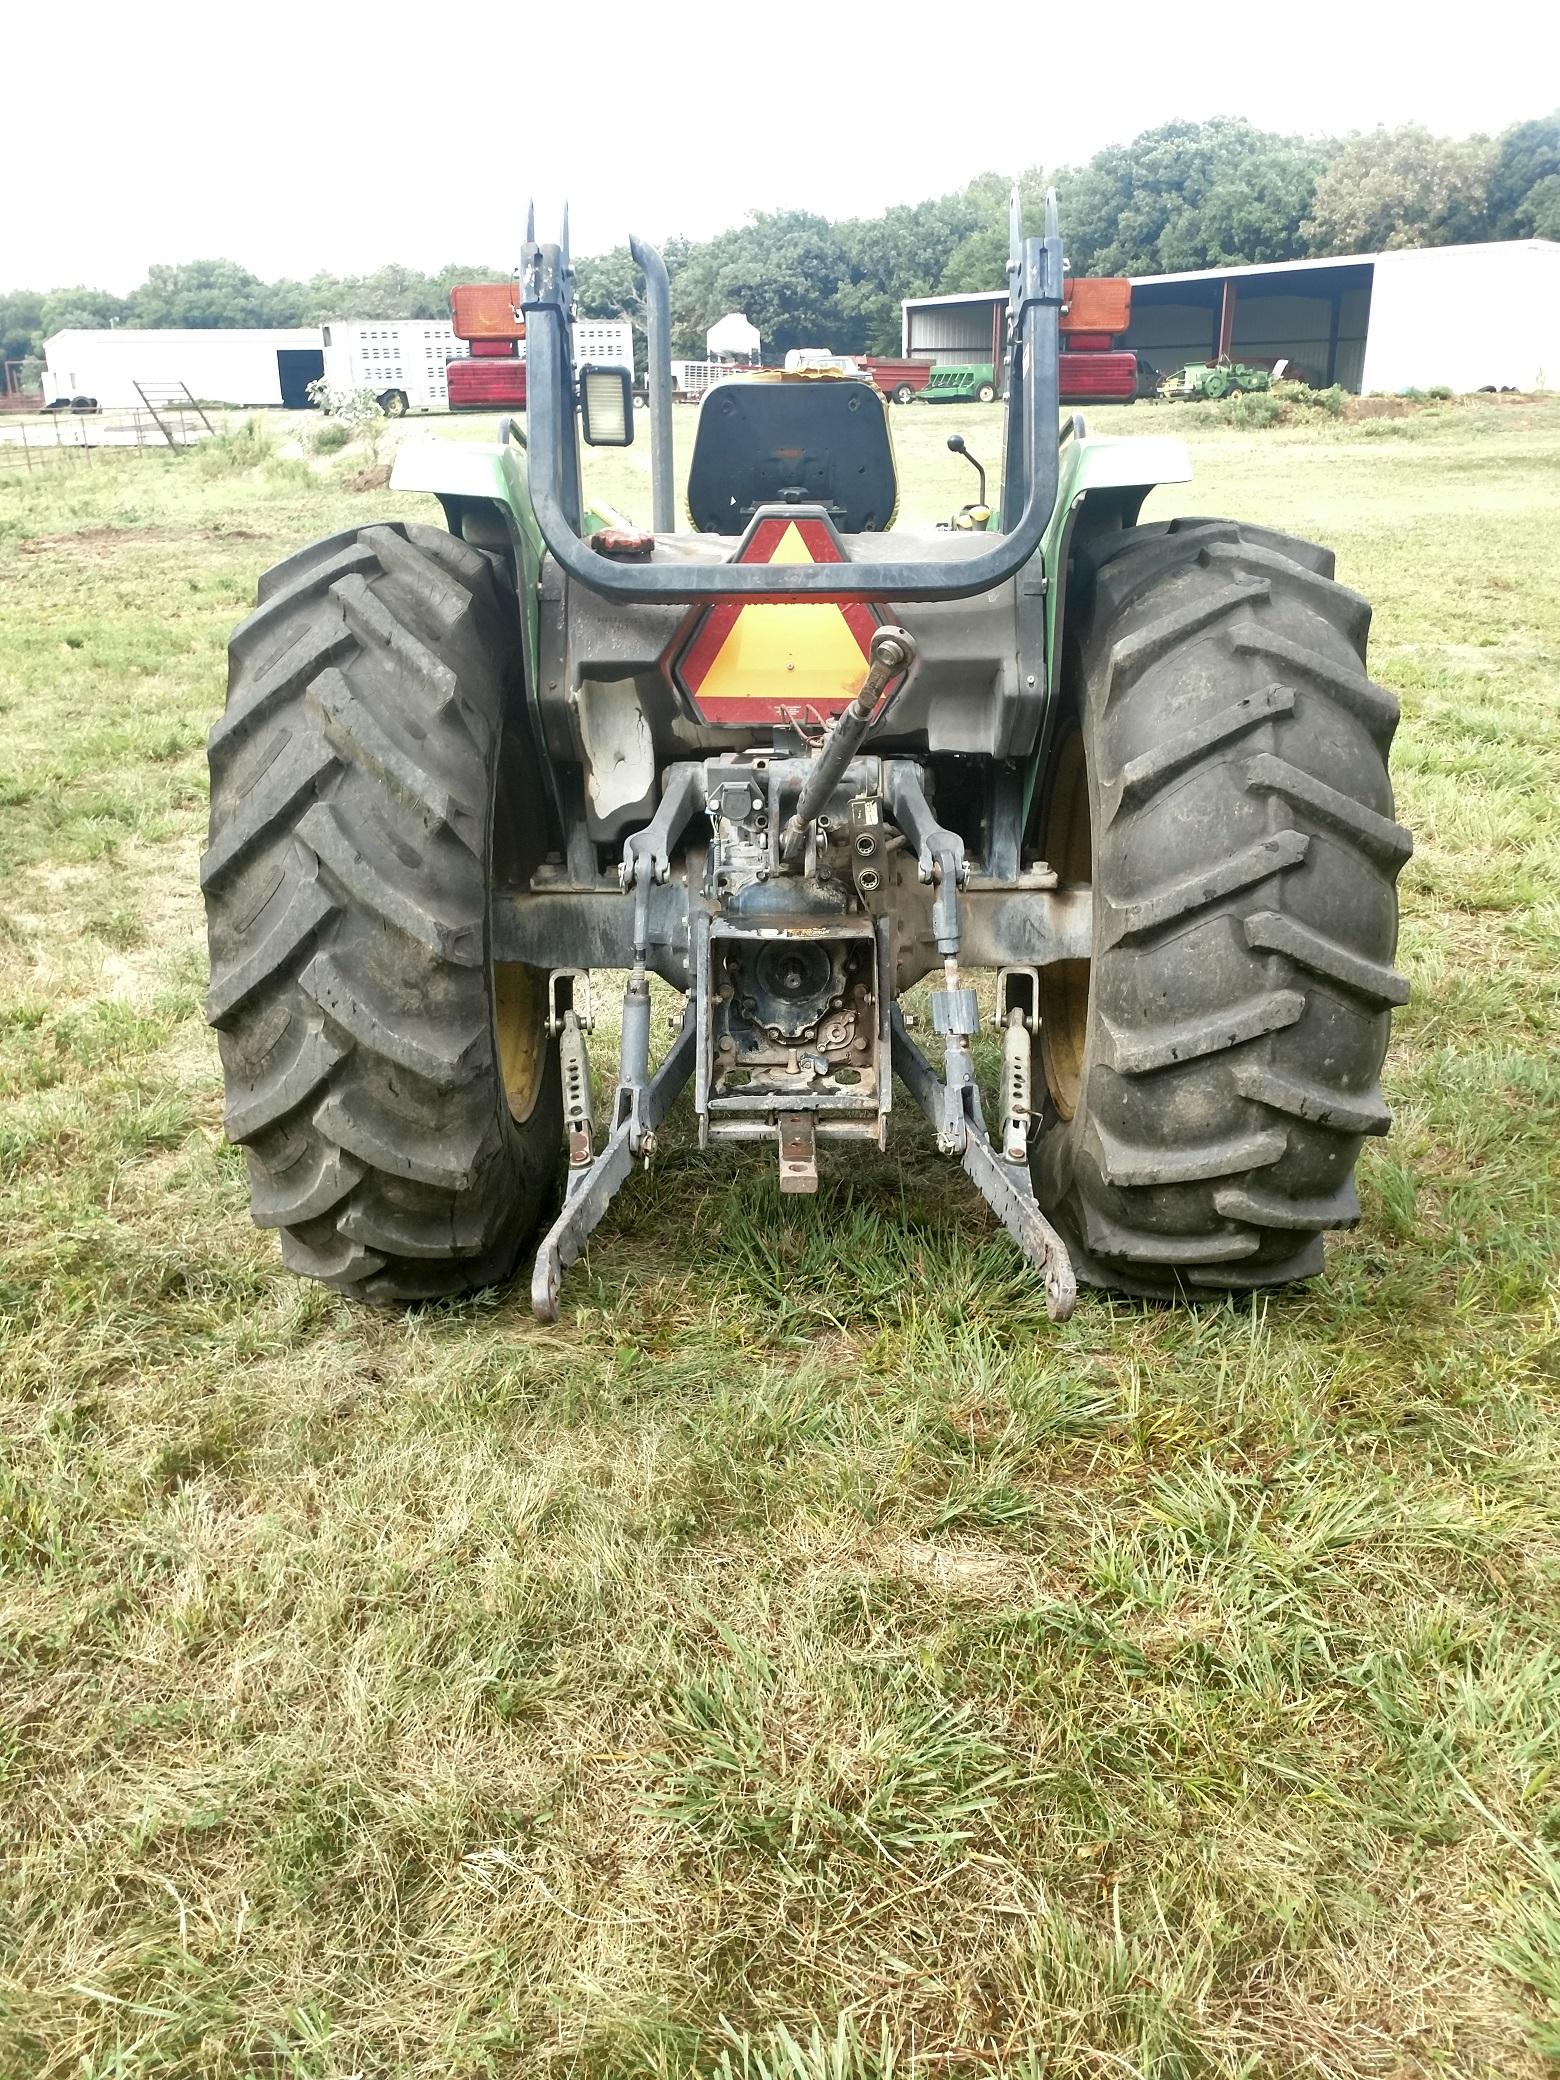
(217, 366)
(400, 359)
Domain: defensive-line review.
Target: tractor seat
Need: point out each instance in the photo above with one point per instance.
(812, 442)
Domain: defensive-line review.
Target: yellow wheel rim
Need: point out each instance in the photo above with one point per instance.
(1067, 844)
(520, 1023)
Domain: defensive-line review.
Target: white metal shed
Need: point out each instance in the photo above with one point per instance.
(1472, 317)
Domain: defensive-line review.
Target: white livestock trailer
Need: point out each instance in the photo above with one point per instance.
(400, 359)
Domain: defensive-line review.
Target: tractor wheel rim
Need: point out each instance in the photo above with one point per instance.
(1064, 987)
(520, 1029)
(516, 991)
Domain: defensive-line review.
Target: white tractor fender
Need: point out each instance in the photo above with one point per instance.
(1118, 463)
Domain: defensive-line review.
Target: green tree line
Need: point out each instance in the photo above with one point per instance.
(1184, 195)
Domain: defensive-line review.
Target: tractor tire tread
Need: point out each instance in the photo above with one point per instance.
(1240, 1007)
(1258, 862)
(346, 884)
(1143, 776)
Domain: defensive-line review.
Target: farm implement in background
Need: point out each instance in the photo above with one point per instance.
(1214, 379)
(951, 382)
(793, 764)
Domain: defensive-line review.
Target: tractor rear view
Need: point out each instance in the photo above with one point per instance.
(1130, 779)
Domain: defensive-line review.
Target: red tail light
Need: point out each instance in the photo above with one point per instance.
(485, 385)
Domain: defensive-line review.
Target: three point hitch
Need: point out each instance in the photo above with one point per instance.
(792, 1033)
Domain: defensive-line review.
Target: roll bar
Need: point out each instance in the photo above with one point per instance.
(552, 448)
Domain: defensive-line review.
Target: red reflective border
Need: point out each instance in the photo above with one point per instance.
(692, 661)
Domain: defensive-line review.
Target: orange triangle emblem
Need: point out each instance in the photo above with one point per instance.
(747, 661)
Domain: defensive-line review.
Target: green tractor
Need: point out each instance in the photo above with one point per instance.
(794, 764)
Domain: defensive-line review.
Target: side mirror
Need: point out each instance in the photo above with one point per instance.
(607, 407)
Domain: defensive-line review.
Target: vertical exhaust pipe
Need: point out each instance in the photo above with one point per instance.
(658, 332)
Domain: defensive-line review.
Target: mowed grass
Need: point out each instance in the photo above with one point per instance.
(804, 1662)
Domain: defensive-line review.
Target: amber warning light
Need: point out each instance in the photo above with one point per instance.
(780, 660)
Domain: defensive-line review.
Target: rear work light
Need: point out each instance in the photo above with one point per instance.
(606, 407)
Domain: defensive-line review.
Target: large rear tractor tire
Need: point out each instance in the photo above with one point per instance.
(1221, 780)
(392, 1086)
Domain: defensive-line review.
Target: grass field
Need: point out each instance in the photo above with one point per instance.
(803, 1662)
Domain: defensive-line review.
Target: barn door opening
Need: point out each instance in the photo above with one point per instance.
(296, 369)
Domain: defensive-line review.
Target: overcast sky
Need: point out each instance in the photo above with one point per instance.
(295, 139)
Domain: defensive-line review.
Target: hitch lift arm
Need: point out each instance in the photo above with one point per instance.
(591, 1191)
(1005, 1186)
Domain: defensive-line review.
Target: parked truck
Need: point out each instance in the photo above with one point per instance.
(821, 361)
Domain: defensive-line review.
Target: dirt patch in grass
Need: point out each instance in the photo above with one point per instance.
(92, 541)
(110, 930)
(1412, 407)
(1381, 408)
(84, 540)
(969, 1571)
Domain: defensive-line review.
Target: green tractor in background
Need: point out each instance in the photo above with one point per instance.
(794, 764)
